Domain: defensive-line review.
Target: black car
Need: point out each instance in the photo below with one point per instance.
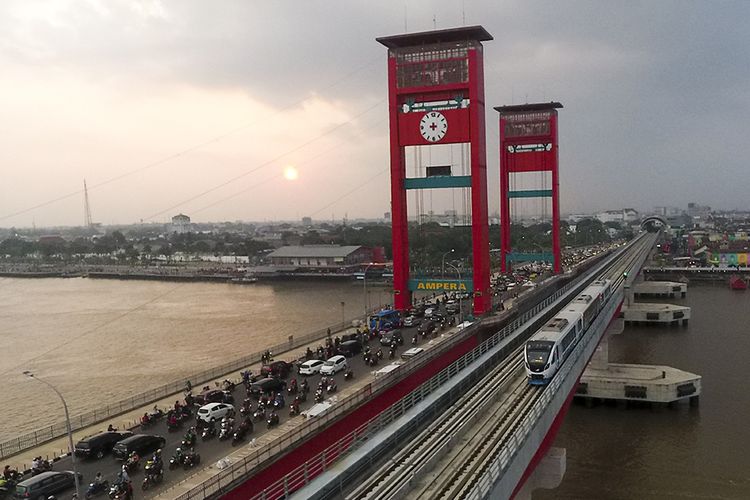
(46, 484)
(142, 444)
(98, 445)
(350, 348)
(393, 336)
(267, 385)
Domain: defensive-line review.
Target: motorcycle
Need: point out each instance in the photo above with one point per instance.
(273, 419)
(43, 466)
(319, 396)
(379, 354)
(239, 435)
(278, 403)
(226, 431)
(259, 415)
(331, 387)
(392, 353)
(247, 407)
(349, 375)
(292, 389)
(189, 440)
(208, 433)
(152, 478)
(294, 409)
(173, 424)
(414, 339)
(121, 491)
(191, 460)
(177, 459)
(304, 387)
(131, 465)
(96, 488)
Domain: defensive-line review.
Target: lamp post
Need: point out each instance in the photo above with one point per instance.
(67, 427)
(460, 309)
(364, 291)
(442, 267)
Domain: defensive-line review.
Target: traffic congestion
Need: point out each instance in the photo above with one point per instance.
(203, 426)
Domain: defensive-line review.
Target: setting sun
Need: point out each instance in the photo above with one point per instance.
(290, 173)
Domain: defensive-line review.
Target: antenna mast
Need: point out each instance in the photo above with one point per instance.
(87, 207)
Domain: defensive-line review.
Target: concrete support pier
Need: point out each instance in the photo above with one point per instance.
(671, 289)
(648, 383)
(665, 314)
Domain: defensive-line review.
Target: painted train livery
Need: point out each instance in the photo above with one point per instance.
(549, 347)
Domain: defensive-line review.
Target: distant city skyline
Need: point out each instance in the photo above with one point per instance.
(279, 112)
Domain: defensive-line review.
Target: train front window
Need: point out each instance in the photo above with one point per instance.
(538, 353)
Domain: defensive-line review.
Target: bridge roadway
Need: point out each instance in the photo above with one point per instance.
(213, 450)
(475, 434)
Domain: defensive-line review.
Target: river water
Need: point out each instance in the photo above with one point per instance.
(100, 341)
(639, 453)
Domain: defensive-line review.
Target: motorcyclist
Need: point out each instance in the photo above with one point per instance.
(122, 476)
(36, 464)
(111, 428)
(133, 459)
(145, 419)
(8, 473)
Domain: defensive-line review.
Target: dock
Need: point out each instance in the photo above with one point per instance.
(670, 289)
(663, 314)
(646, 383)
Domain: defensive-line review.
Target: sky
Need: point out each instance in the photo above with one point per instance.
(201, 107)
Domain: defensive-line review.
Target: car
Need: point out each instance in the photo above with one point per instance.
(139, 443)
(350, 348)
(393, 336)
(214, 411)
(266, 385)
(213, 396)
(334, 365)
(45, 484)
(98, 445)
(411, 321)
(279, 369)
(310, 367)
(451, 307)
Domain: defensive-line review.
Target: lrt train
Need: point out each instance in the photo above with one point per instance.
(549, 347)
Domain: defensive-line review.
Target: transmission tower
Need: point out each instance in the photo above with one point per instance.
(87, 207)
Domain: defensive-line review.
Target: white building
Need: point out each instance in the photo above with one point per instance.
(180, 224)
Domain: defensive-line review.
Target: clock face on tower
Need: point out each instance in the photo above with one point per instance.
(433, 126)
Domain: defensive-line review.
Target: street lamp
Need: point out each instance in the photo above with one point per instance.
(364, 299)
(67, 427)
(342, 313)
(442, 267)
(460, 309)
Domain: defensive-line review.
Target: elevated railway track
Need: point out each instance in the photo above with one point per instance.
(474, 438)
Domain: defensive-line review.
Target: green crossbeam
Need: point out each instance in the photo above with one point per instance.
(528, 257)
(531, 193)
(438, 182)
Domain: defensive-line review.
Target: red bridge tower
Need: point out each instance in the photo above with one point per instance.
(436, 96)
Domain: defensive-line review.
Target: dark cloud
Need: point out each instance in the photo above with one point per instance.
(655, 93)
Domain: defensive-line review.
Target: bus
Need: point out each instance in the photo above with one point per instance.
(387, 319)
